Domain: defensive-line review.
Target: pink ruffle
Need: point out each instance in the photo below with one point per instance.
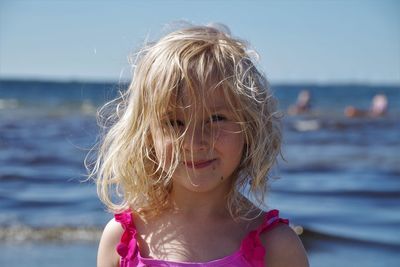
(127, 247)
(252, 248)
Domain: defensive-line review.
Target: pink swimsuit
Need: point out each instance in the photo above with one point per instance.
(251, 252)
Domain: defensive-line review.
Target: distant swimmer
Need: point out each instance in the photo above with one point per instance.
(379, 107)
(303, 103)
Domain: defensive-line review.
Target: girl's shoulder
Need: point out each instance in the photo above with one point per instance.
(284, 248)
(107, 254)
(113, 230)
(111, 245)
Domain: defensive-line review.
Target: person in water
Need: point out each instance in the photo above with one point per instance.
(303, 103)
(194, 134)
(378, 108)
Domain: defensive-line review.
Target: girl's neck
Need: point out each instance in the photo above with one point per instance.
(199, 205)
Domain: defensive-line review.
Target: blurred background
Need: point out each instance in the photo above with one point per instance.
(333, 65)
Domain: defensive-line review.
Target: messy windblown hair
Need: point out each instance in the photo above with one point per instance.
(193, 59)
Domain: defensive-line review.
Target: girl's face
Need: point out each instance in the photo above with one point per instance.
(211, 150)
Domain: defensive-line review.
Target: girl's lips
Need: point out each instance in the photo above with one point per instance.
(199, 164)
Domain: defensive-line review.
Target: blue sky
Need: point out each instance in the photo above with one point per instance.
(298, 41)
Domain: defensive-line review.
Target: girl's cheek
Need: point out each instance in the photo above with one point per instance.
(163, 148)
(228, 132)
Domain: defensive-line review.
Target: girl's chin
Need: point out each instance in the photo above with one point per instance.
(200, 184)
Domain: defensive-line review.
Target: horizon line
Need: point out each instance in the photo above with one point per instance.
(125, 81)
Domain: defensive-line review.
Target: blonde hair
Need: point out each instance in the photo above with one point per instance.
(193, 59)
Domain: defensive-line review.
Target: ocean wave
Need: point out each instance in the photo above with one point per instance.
(311, 236)
(41, 179)
(8, 103)
(60, 234)
(339, 123)
(343, 193)
(314, 168)
(34, 160)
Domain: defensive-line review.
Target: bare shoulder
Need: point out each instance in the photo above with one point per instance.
(107, 255)
(284, 248)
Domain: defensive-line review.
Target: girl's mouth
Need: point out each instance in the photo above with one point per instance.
(199, 164)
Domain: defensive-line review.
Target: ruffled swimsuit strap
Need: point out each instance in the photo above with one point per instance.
(127, 248)
(252, 248)
(271, 219)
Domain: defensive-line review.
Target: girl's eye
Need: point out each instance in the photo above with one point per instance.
(176, 123)
(215, 118)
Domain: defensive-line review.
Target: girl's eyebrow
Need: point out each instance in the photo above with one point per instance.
(212, 109)
(218, 108)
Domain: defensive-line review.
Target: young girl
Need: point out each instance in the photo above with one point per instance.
(195, 132)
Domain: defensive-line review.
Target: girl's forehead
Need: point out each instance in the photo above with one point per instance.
(213, 99)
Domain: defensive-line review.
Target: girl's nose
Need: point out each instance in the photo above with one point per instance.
(196, 139)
